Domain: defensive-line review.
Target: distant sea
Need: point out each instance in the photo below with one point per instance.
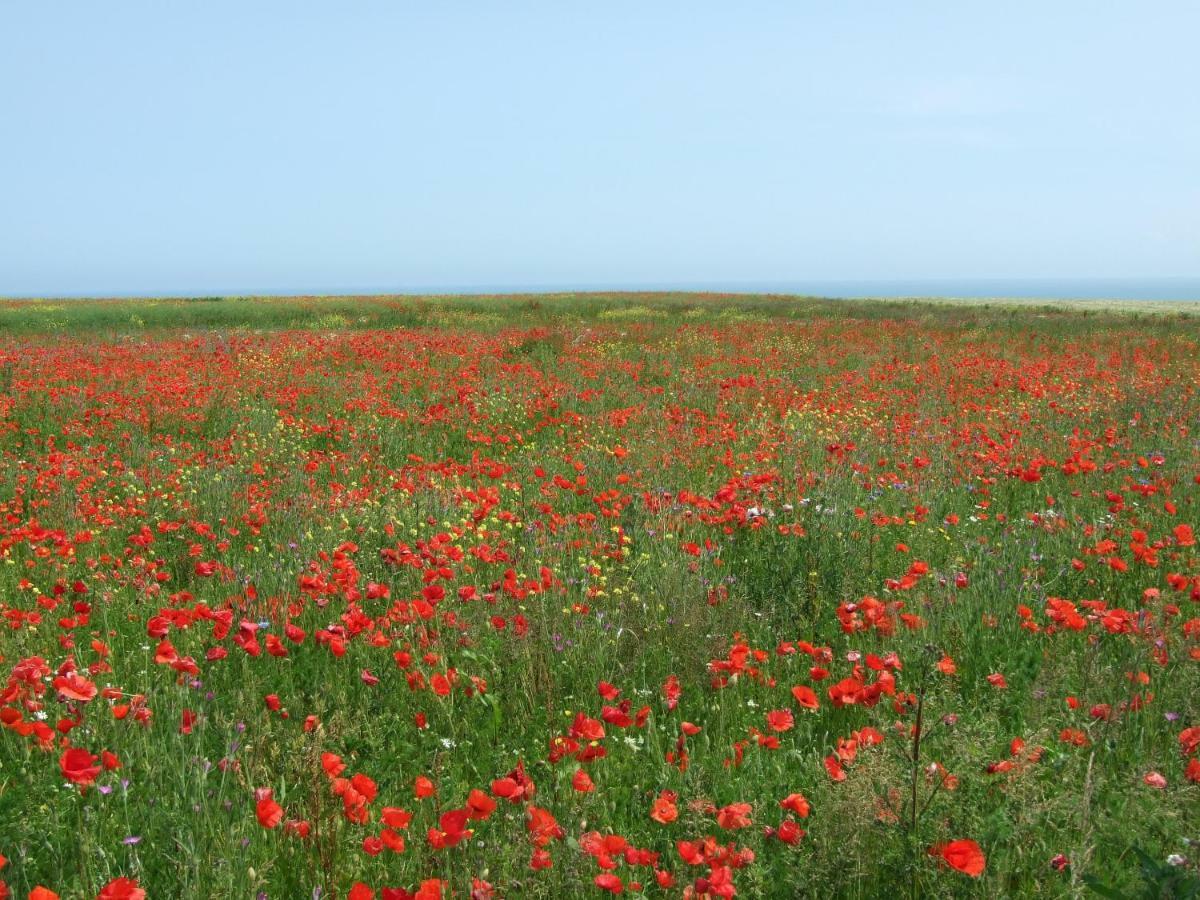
(984, 288)
(974, 288)
(1181, 288)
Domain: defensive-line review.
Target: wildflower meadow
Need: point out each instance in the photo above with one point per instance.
(572, 596)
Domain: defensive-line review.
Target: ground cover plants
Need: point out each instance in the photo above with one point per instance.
(575, 596)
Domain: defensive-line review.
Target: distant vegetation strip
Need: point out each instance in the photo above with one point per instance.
(107, 317)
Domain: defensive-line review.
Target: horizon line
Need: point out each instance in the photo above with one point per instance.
(975, 288)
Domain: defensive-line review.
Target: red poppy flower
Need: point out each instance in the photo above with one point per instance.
(735, 815)
(450, 831)
(1192, 772)
(797, 803)
(542, 826)
(833, 766)
(395, 817)
(75, 687)
(672, 691)
(121, 889)
(423, 788)
(479, 804)
(780, 720)
(963, 855)
(664, 810)
(607, 881)
(78, 766)
(806, 696)
(332, 764)
(789, 832)
(1189, 740)
(269, 812)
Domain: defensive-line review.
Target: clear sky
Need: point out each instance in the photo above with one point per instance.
(260, 146)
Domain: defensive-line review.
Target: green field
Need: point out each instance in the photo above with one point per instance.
(567, 595)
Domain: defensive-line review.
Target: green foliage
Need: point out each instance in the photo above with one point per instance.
(1159, 881)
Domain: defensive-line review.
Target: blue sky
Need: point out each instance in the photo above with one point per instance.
(259, 146)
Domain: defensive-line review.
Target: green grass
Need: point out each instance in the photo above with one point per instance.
(133, 316)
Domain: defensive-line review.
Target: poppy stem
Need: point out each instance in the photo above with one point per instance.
(916, 755)
(914, 813)
(934, 793)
